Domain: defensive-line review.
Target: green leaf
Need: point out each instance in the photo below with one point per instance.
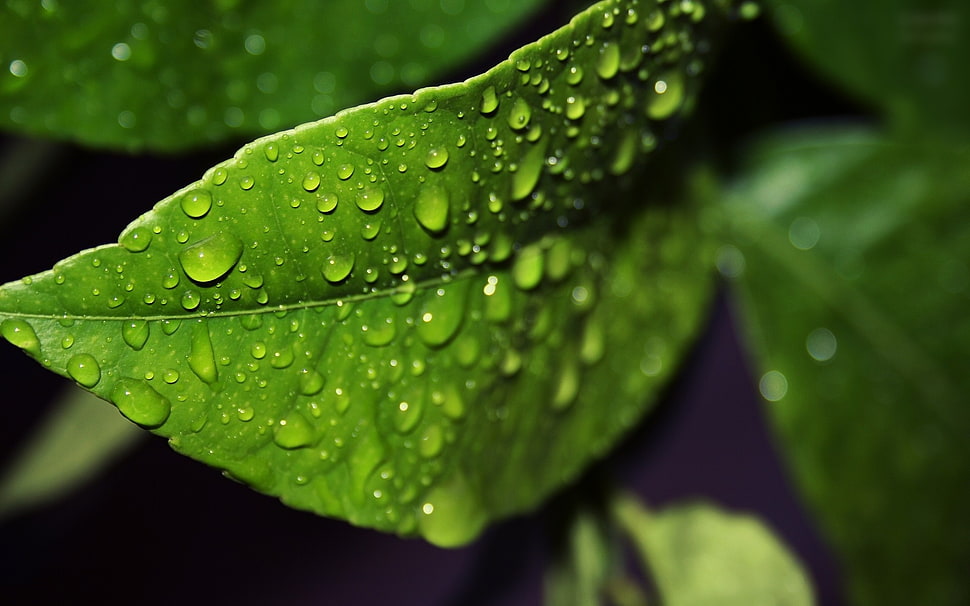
(75, 442)
(910, 63)
(410, 315)
(850, 252)
(699, 555)
(170, 75)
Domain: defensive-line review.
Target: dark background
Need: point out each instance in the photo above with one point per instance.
(158, 528)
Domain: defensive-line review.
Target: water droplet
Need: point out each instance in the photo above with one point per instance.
(451, 514)
(441, 317)
(272, 152)
(196, 204)
(327, 203)
(202, 359)
(293, 432)
(136, 239)
(489, 101)
(22, 335)
(247, 182)
(282, 358)
(407, 416)
(212, 258)
(527, 268)
(338, 267)
(498, 302)
(432, 208)
(380, 334)
(667, 97)
(431, 442)
(575, 108)
(140, 403)
(311, 181)
(437, 157)
(345, 171)
(821, 344)
(525, 179)
(568, 388)
(609, 61)
(574, 75)
(773, 386)
(84, 369)
(626, 153)
(135, 333)
(370, 199)
(219, 176)
(311, 382)
(520, 114)
(804, 233)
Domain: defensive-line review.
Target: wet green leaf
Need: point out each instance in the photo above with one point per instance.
(410, 315)
(850, 252)
(910, 62)
(77, 439)
(170, 75)
(699, 555)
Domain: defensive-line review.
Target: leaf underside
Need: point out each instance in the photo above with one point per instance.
(419, 315)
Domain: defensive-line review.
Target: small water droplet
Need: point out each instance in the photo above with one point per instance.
(140, 403)
(345, 171)
(84, 369)
(247, 182)
(197, 203)
(489, 101)
(211, 258)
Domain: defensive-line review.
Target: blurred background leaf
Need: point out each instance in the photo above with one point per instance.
(848, 256)
(173, 75)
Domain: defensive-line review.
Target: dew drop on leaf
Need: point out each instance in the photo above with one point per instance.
(338, 267)
(520, 114)
(436, 158)
(293, 432)
(140, 402)
(668, 95)
(197, 203)
(327, 203)
(135, 333)
(210, 259)
(136, 240)
(345, 171)
(489, 101)
(202, 359)
(22, 335)
(370, 199)
(432, 208)
(609, 61)
(84, 369)
(311, 181)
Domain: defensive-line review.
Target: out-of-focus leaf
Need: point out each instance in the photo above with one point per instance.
(424, 313)
(908, 58)
(77, 439)
(175, 74)
(699, 555)
(850, 254)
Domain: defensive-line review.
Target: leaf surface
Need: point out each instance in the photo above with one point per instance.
(850, 255)
(421, 314)
(170, 75)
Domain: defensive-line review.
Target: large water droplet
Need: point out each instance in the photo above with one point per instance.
(431, 442)
(140, 403)
(575, 108)
(370, 199)
(520, 114)
(489, 101)
(84, 369)
(311, 382)
(441, 316)
(626, 153)
(293, 432)
(667, 97)
(609, 61)
(22, 335)
(451, 514)
(212, 258)
(338, 267)
(432, 208)
(437, 157)
(528, 268)
(135, 333)
(525, 179)
(196, 204)
(136, 239)
(345, 171)
(202, 359)
(311, 181)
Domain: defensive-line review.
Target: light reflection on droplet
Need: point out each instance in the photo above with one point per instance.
(773, 386)
(729, 261)
(821, 344)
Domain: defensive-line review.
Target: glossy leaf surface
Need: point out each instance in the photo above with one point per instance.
(421, 314)
(170, 75)
(850, 256)
(699, 555)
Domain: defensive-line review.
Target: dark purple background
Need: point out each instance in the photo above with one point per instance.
(160, 529)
